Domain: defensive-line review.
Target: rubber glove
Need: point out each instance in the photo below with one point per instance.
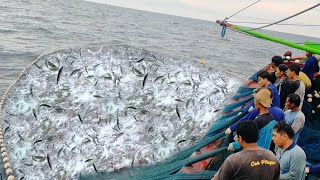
(228, 131)
(230, 147)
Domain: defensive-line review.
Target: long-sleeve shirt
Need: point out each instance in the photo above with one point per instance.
(310, 67)
(276, 112)
(292, 163)
(275, 94)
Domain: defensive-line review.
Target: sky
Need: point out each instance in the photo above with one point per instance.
(264, 11)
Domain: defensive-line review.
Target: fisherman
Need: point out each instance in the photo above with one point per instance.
(251, 163)
(297, 86)
(291, 157)
(264, 81)
(294, 116)
(287, 56)
(276, 112)
(311, 66)
(275, 62)
(284, 84)
(262, 102)
(316, 83)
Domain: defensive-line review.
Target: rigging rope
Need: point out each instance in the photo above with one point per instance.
(223, 32)
(242, 10)
(284, 24)
(287, 17)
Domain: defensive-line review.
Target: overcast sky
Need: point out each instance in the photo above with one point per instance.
(263, 11)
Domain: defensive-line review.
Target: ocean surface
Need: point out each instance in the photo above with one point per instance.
(31, 28)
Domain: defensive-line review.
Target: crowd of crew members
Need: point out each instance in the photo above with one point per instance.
(266, 138)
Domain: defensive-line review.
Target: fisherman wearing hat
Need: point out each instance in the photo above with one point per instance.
(284, 84)
(264, 121)
(262, 101)
(276, 112)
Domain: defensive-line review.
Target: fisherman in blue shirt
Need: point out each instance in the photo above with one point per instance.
(311, 66)
(291, 157)
(264, 81)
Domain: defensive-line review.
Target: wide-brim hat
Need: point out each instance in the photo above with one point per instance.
(263, 96)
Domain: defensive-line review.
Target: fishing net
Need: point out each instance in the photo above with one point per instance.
(309, 140)
(170, 169)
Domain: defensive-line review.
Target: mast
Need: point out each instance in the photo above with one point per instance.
(304, 47)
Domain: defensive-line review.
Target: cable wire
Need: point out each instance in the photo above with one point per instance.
(242, 9)
(287, 17)
(284, 24)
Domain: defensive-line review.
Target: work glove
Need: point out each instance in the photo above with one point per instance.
(228, 131)
(230, 147)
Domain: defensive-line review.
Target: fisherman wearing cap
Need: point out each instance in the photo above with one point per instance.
(284, 84)
(264, 121)
(291, 157)
(253, 162)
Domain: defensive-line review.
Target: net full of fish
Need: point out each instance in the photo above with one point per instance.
(105, 108)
